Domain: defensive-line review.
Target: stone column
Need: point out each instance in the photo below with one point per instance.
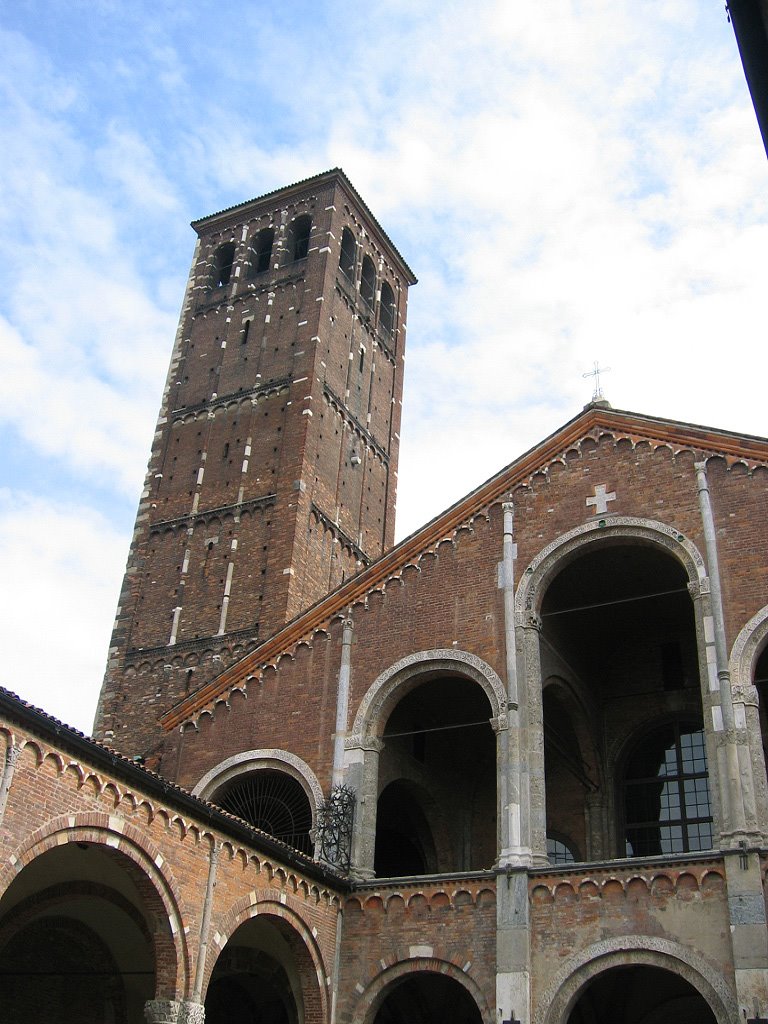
(205, 923)
(532, 727)
(362, 774)
(513, 952)
(168, 1011)
(748, 931)
(737, 782)
(513, 750)
(342, 703)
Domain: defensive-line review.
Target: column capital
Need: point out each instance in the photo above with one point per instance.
(168, 1011)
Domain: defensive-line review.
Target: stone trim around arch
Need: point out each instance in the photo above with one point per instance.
(440, 660)
(746, 649)
(250, 760)
(255, 905)
(174, 980)
(552, 557)
(375, 991)
(634, 951)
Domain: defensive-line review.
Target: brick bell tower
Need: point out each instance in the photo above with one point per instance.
(273, 472)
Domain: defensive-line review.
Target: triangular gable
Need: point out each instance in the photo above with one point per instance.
(592, 422)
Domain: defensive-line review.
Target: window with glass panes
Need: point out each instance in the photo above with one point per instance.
(667, 808)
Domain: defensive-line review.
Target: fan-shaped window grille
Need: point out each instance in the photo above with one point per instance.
(274, 802)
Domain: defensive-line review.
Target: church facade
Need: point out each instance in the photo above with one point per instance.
(511, 769)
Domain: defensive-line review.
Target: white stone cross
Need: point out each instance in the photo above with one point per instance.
(601, 498)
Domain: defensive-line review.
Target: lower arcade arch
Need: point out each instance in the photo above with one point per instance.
(83, 936)
(639, 995)
(264, 974)
(423, 992)
(636, 980)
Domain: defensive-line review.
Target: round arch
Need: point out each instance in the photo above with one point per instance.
(375, 993)
(594, 538)
(747, 647)
(555, 556)
(254, 760)
(364, 744)
(309, 959)
(633, 951)
(158, 891)
(405, 675)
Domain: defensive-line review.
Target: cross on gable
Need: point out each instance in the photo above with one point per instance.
(601, 498)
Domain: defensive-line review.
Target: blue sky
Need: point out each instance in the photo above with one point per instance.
(571, 180)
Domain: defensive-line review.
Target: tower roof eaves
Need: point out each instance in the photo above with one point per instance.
(316, 179)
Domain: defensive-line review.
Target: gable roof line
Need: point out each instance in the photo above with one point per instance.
(635, 426)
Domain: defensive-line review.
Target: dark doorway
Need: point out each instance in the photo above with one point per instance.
(640, 995)
(428, 999)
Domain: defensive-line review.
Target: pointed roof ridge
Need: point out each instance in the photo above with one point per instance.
(636, 426)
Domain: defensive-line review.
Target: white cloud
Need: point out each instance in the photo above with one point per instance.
(57, 612)
(573, 181)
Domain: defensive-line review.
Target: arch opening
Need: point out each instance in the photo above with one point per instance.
(387, 310)
(298, 238)
(368, 282)
(258, 976)
(223, 260)
(436, 808)
(426, 998)
(619, 653)
(270, 800)
(347, 255)
(639, 994)
(80, 935)
(261, 251)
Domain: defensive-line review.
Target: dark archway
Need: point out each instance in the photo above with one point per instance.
(264, 975)
(78, 939)
(223, 260)
(640, 995)
(298, 238)
(404, 842)
(437, 778)
(618, 630)
(427, 998)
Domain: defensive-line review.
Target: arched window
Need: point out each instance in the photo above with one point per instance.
(347, 257)
(261, 251)
(667, 807)
(387, 309)
(560, 851)
(298, 238)
(272, 801)
(223, 259)
(368, 282)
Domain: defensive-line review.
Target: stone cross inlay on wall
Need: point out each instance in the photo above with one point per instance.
(601, 498)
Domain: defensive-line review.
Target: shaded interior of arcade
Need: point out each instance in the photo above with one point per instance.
(625, 751)
(436, 810)
(81, 935)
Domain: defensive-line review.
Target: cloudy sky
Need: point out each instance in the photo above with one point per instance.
(571, 180)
